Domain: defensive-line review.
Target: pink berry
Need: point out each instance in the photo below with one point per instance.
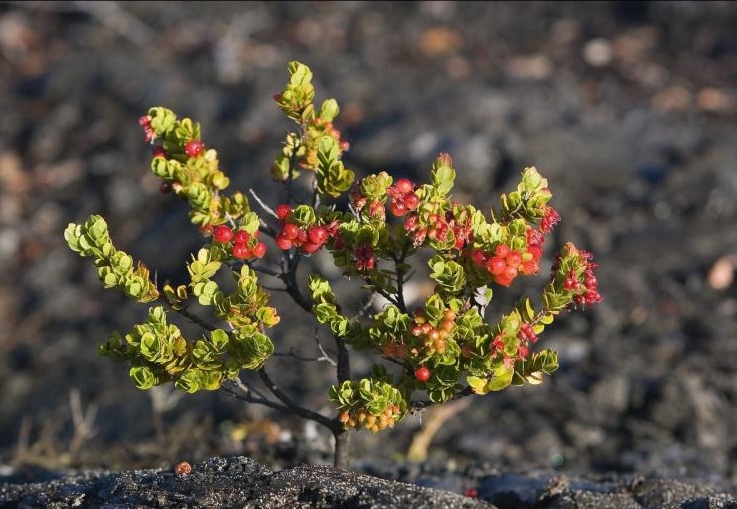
(193, 148)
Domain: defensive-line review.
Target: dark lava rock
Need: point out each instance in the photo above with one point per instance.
(243, 483)
(234, 482)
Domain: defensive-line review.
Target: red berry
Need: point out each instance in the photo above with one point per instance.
(241, 251)
(503, 280)
(193, 148)
(422, 374)
(411, 201)
(241, 237)
(222, 234)
(310, 247)
(536, 251)
(397, 209)
(514, 259)
(530, 267)
(302, 237)
(165, 187)
(510, 272)
(478, 257)
(282, 211)
(282, 242)
(318, 235)
(496, 265)
(259, 250)
(502, 250)
(404, 186)
(290, 231)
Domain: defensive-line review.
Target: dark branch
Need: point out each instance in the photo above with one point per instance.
(292, 407)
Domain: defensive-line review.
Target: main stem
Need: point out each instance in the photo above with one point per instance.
(342, 448)
(340, 434)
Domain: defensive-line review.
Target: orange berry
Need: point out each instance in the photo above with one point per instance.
(183, 468)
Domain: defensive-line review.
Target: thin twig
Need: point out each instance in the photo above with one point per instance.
(292, 407)
(246, 394)
(325, 357)
(263, 205)
(195, 319)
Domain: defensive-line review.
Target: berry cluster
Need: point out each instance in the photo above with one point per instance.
(362, 419)
(434, 338)
(307, 240)
(550, 218)
(505, 263)
(590, 295)
(526, 335)
(403, 197)
(376, 207)
(497, 347)
(431, 223)
(365, 259)
(245, 246)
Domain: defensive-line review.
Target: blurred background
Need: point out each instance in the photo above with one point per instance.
(628, 108)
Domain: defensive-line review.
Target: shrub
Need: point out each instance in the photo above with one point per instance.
(443, 350)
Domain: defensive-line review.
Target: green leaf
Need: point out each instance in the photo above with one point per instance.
(189, 381)
(268, 316)
(143, 378)
(434, 308)
(163, 120)
(219, 340)
(501, 379)
(329, 110)
(250, 347)
(478, 384)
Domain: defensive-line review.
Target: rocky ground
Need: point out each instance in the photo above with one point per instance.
(240, 482)
(628, 108)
